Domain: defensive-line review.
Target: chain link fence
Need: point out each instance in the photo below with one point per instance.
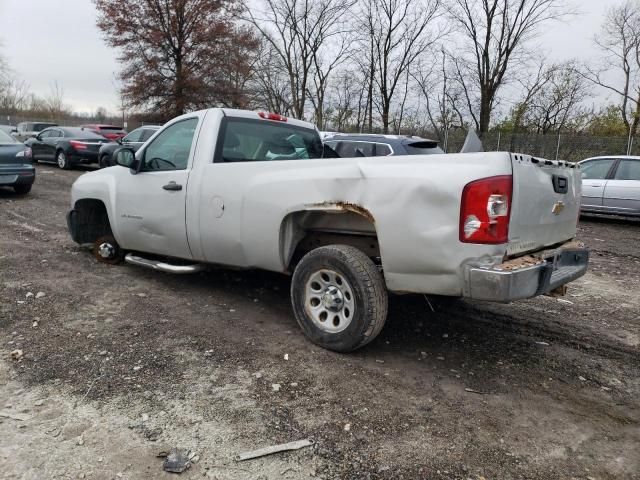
(570, 147)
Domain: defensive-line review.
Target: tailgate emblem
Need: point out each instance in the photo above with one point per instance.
(558, 207)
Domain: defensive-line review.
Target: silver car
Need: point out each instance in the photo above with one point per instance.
(611, 185)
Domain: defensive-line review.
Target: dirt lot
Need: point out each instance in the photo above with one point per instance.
(121, 363)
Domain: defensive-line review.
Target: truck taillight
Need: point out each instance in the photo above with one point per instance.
(485, 210)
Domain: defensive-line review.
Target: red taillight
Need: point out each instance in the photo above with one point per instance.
(485, 210)
(272, 116)
(78, 145)
(28, 153)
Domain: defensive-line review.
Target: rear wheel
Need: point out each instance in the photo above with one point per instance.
(22, 189)
(339, 297)
(102, 161)
(107, 250)
(62, 160)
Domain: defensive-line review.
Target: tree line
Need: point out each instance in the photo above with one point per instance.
(369, 65)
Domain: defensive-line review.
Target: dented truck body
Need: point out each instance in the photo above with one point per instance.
(403, 212)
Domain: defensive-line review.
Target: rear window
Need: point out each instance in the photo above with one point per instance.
(628, 170)
(248, 140)
(79, 133)
(423, 148)
(110, 128)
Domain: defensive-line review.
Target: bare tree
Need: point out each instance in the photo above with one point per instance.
(54, 101)
(270, 85)
(494, 37)
(620, 43)
(443, 96)
(300, 32)
(398, 32)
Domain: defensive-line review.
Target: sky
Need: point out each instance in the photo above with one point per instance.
(47, 41)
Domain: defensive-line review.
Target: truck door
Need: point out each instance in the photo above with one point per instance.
(150, 206)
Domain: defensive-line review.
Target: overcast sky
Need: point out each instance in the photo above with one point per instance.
(57, 40)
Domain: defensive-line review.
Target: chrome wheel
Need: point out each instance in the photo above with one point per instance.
(107, 251)
(329, 300)
(62, 160)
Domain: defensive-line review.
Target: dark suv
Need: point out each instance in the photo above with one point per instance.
(371, 145)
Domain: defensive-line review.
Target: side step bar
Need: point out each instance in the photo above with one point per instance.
(163, 266)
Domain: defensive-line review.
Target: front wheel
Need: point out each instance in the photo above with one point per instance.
(107, 250)
(62, 160)
(339, 297)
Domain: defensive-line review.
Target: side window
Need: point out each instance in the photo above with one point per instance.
(45, 134)
(134, 136)
(628, 170)
(382, 150)
(170, 150)
(356, 149)
(248, 140)
(596, 169)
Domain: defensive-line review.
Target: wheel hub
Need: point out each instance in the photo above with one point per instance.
(329, 300)
(106, 250)
(332, 299)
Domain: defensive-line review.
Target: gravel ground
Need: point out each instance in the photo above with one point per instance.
(120, 363)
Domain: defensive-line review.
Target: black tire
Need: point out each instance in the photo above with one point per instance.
(117, 255)
(102, 162)
(62, 160)
(22, 189)
(369, 297)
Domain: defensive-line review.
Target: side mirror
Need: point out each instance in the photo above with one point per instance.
(125, 157)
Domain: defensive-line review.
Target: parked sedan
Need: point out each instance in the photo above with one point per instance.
(16, 166)
(611, 185)
(370, 145)
(111, 132)
(66, 146)
(133, 140)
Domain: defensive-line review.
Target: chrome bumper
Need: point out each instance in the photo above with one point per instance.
(519, 279)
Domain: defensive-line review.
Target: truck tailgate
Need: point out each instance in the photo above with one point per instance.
(545, 203)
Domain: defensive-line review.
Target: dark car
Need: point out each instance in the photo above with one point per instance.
(26, 130)
(16, 166)
(111, 132)
(66, 146)
(133, 140)
(371, 145)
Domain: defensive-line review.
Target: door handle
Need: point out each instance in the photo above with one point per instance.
(172, 186)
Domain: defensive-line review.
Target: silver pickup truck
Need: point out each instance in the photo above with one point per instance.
(258, 190)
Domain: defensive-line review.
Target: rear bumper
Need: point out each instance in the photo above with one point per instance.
(17, 175)
(526, 277)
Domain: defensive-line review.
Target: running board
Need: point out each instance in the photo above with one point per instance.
(163, 266)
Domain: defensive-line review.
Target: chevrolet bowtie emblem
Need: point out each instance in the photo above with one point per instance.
(558, 207)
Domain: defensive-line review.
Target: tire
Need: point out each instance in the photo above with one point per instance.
(107, 250)
(62, 160)
(22, 189)
(102, 162)
(346, 285)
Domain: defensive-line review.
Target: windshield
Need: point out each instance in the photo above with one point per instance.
(6, 138)
(246, 140)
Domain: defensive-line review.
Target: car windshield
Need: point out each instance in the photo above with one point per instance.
(5, 138)
(259, 140)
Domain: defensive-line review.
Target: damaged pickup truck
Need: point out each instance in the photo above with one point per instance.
(258, 190)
